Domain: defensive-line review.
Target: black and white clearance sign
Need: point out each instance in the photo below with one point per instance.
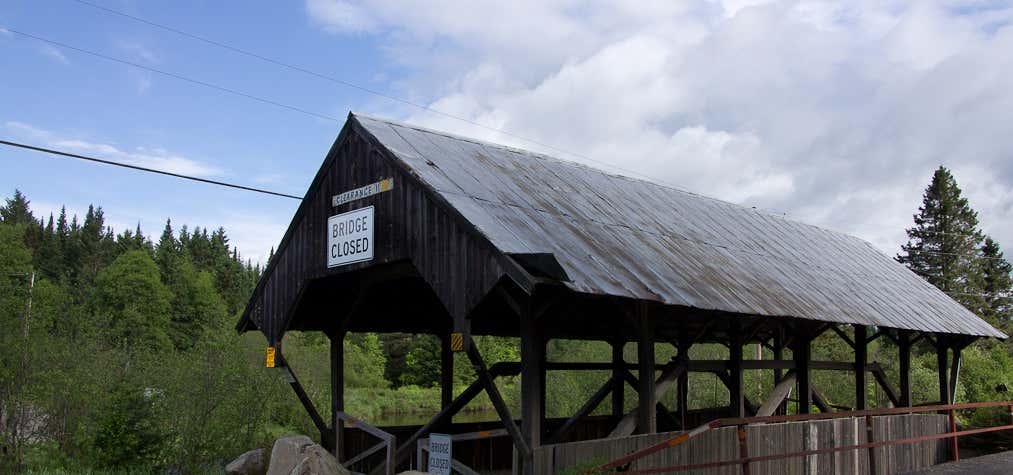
(350, 237)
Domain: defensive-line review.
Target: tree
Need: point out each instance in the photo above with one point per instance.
(196, 305)
(944, 242)
(16, 211)
(997, 286)
(132, 304)
(15, 267)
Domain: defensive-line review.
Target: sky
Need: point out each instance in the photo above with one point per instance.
(830, 113)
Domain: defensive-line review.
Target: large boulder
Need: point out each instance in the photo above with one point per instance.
(298, 455)
(253, 462)
(287, 453)
(317, 461)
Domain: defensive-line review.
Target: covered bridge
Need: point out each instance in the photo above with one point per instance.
(412, 230)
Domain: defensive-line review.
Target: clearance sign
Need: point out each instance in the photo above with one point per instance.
(350, 237)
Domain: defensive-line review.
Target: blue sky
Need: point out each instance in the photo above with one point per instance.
(52, 95)
(832, 114)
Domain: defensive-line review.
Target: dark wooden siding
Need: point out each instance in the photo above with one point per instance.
(411, 222)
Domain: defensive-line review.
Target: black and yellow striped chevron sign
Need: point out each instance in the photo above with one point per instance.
(456, 342)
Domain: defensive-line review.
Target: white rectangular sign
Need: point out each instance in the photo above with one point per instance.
(350, 237)
(439, 454)
(362, 192)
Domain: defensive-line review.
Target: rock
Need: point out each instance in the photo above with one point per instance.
(253, 462)
(298, 455)
(287, 453)
(317, 461)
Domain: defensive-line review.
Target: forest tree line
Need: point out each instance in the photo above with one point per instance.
(127, 357)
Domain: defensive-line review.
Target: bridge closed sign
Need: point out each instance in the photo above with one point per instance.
(439, 454)
(350, 237)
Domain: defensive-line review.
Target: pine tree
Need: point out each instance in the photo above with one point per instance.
(16, 211)
(167, 252)
(997, 288)
(944, 242)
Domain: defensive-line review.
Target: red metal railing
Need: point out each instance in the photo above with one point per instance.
(624, 463)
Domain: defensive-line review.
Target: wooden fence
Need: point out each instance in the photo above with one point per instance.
(769, 439)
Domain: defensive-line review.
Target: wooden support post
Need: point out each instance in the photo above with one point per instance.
(304, 399)
(861, 359)
(496, 398)
(736, 397)
(682, 385)
(802, 354)
(338, 393)
(904, 350)
(446, 372)
(944, 383)
(618, 387)
(532, 380)
(954, 374)
(647, 420)
(778, 345)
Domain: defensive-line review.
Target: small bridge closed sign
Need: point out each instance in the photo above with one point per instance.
(439, 454)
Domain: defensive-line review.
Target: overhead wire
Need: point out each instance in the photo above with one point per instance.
(361, 88)
(61, 153)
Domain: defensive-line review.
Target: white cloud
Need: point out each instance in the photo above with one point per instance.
(836, 113)
(139, 51)
(5, 32)
(54, 54)
(157, 158)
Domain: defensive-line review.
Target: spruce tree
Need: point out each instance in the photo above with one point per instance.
(16, 211)
(997, 286)
(944, 242)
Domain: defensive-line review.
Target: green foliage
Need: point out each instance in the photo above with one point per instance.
(423, 362)
(944, 242)
(126, 433)
(132, 304)
(997, 300)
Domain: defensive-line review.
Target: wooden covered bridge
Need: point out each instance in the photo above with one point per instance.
(417, 231)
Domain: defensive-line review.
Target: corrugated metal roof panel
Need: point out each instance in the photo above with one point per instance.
(620, 236)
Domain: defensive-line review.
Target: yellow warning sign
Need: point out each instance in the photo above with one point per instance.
(270, 357)
(457, 342)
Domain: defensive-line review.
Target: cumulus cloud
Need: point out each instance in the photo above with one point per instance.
(835, 113)
(151, 157)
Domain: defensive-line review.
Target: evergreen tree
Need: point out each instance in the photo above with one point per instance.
(167, 252)
(943, 244)
(16, 211)
(997, 288)
(90, 244)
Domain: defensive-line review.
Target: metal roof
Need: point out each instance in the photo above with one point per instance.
(625, 237)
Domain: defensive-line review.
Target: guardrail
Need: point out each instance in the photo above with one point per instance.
(387, 441)
(457, 466)
(624, 464)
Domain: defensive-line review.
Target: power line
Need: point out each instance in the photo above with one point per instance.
(358, 87)
(146, 169)
(648, 178)
(955, 254)
(175, 76)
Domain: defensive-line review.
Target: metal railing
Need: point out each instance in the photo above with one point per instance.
(624, 464)
(387, 441)
(457, 466)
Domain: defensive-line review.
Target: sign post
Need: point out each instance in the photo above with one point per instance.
(440, 447)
